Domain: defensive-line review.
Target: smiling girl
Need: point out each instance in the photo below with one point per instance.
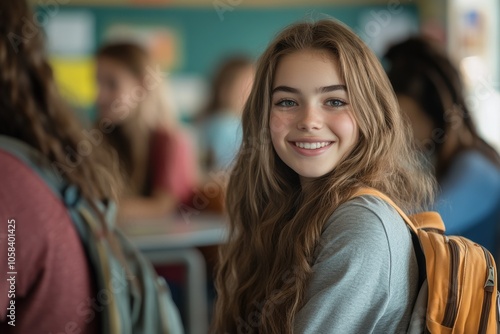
(304, 256)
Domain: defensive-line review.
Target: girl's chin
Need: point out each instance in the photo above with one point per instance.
(310, 176)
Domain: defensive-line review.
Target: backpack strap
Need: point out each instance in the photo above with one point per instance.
(39, 164)
(376, 193)
(417, 247)
(69, 194)
(78, 210)
(429, 220)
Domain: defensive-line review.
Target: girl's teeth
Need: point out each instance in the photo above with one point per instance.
(311, 146)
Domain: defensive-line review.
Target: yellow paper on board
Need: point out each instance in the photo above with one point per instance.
(76, 79)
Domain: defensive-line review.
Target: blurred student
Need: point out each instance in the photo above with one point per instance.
(156, 156)
(302, 255)
(431, 94)
(54, 281)
(221, 120)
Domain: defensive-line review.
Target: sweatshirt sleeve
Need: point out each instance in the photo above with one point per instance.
(350, 286)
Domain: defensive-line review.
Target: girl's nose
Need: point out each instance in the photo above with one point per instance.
(310, 119)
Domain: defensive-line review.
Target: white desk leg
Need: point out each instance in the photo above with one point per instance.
(197, 301)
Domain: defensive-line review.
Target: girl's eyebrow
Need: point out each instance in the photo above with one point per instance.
(326, 89)
(332, 88)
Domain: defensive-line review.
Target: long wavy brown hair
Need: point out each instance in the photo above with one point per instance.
(32, 110)
(275, 223)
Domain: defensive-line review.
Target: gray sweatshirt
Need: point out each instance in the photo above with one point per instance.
(365, 273)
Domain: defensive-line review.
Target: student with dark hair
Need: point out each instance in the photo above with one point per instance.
(431, 95)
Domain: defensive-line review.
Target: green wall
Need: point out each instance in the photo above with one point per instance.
(205, 38)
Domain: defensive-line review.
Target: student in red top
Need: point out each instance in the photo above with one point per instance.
(156, 156)
(54, 287)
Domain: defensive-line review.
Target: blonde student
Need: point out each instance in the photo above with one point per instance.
(304, 256)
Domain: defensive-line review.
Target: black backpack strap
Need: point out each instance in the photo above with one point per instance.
(419, 254)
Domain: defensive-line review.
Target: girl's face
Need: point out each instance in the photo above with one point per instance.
(116, 86)
(311, 122)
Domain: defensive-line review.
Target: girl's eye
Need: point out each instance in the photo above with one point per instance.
(286, 103)
(336, 103)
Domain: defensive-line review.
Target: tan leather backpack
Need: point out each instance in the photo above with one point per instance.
(459, 289)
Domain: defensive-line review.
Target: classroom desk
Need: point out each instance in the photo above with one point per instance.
(174, 240)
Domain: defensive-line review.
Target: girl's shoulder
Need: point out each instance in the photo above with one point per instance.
(367, 220)
(363, 209)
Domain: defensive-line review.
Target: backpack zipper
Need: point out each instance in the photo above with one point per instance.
(450, 312)
(489, 286)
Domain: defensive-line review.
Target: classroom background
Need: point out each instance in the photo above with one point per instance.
(189, 38)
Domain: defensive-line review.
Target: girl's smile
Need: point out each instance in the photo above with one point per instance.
(311, 147)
